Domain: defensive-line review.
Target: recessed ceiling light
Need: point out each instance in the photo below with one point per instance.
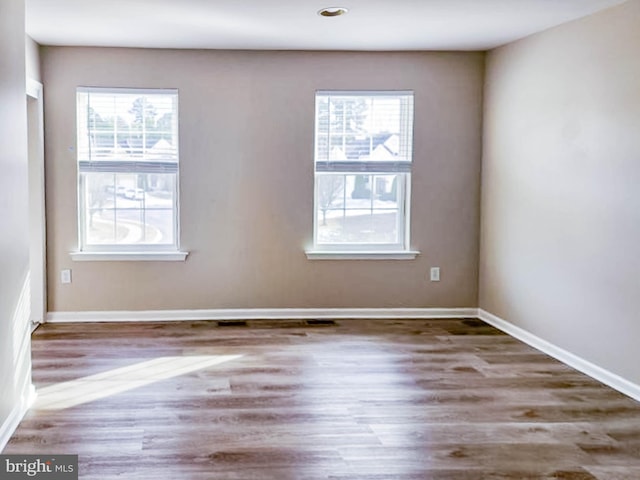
(333, 11)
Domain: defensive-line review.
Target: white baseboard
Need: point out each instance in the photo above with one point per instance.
(257, 313)
(594, 371)
(16, 415)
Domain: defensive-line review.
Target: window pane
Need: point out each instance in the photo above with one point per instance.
(329, 191)
(358, 226)
(387, 189)
(129, 193)
(358, 191)
(97, 199)
(329, 227)
(145, 226)
(129, 208)
(160, 226)
(384, 226)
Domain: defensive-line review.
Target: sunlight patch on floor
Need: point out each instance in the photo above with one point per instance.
(112, 382)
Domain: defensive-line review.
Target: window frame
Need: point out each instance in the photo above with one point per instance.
(114, 251)
(400, 250)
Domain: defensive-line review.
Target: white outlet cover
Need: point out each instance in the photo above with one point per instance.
(65, 276)
(435, 274)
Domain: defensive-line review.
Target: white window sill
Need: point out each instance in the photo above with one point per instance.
(362, 255)
(170, 256)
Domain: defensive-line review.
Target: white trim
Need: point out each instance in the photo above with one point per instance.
(368, 93)
(33, 88)
(16, 415)
(128, 256)
(406, 211)
(257, 313)
(594, 371)
(37, 210)
(355, 255)
(127, 90)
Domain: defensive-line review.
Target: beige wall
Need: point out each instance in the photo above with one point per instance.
(246, 133)
(560, 246)
(14, 240)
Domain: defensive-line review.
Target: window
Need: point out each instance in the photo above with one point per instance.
(127, 170)
(363, 155)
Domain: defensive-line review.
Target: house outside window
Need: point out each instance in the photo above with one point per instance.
(363, 159)
(128, 157)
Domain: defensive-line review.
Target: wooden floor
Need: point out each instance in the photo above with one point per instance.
(362, 399)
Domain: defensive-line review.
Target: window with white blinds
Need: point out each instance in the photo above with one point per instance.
(127, 147)
(363, 158)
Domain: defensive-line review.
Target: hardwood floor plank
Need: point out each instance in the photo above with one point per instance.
(498, 432)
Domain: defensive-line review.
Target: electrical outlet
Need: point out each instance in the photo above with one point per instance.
(65, 276)
(434, 274)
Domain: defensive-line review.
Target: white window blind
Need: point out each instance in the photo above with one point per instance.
(364, 131)
(127, 130)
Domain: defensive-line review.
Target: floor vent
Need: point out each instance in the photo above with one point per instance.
(232, 323)
(315, 322)
(472, 322)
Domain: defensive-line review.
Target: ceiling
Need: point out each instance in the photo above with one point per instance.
(295, 24)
